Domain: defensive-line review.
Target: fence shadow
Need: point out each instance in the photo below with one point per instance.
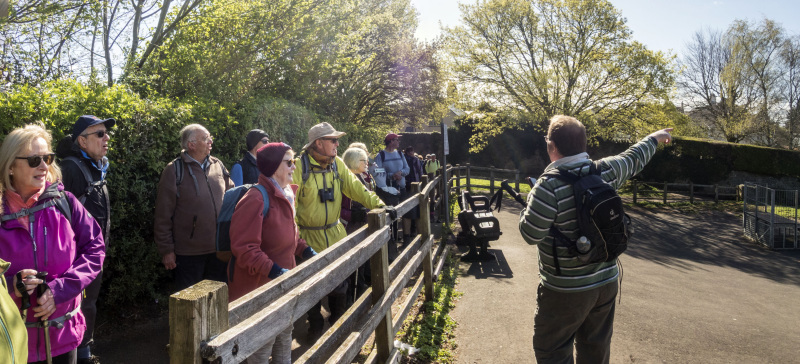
(674, 239)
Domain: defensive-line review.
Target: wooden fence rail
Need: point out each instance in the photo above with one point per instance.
(204, 327)
(655, 191)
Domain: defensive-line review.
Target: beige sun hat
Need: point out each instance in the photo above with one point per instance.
(322, 130)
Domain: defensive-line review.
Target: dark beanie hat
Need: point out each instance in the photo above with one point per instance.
(255, 136)
(270, 156)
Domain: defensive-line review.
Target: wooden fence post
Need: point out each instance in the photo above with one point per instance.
(635, 189)
(691, 192)
(469, 179)
(491, 180)
(716, 193)
(516, 180)
(665, 193)
(379, 265)
(425, 230)
(195, 315)
(458, 178)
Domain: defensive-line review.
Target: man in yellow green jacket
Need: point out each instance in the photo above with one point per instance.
(322, 177)
(13, 335)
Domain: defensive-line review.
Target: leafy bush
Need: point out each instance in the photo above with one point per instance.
(145, 139)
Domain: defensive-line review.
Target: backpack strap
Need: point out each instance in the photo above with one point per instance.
(178, 164)
(90, 183)
(558, 236)
(265, 196)
(61, 202)
(304, 162)
(382, 154)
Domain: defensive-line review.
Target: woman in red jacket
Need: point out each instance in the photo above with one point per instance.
(265, 247)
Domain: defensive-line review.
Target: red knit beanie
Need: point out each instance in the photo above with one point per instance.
(270, 156)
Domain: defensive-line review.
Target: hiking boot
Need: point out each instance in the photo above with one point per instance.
(90, 360)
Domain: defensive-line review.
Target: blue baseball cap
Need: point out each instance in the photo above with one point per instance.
(86, 121)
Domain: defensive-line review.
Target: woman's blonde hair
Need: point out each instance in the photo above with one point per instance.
(15, 144)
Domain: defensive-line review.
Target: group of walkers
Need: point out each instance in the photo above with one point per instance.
(56, 220)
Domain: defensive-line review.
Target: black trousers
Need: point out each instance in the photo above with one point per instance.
(191, 269)
(583, 318)
(89, 309)
(70, 357)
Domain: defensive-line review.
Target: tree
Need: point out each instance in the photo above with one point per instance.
(790, 55)
(732, 81)
(38, 38)
(549, 57)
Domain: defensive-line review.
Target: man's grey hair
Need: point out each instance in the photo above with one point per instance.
(188, 132)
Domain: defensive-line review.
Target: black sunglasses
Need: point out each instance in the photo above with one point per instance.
(35, 160)
(99, 133)
(289, 163)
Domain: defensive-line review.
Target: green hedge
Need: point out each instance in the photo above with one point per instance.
(708, 162)
(145, 139)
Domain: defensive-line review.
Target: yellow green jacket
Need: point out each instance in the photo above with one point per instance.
(13, 335)
(313, 213)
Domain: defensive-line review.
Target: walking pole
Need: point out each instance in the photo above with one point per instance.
(41, 289)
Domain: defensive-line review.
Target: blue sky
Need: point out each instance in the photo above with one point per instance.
(659, 24)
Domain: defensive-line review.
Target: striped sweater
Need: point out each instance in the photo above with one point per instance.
(551, 202)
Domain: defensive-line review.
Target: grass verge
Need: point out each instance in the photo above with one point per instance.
(432, 329)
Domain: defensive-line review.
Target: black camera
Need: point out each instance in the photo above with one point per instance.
(326, 194)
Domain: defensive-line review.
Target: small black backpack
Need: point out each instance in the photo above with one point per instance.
(601, 218)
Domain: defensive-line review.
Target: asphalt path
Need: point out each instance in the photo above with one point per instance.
(694, 290)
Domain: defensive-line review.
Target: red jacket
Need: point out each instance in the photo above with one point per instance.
(257, 242)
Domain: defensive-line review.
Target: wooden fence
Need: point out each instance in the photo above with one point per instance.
(494, 175)
(681, 192)
(204, 327)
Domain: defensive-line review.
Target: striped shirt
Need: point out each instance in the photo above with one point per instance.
(552, 203)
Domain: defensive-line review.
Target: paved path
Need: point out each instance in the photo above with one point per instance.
(693, 291)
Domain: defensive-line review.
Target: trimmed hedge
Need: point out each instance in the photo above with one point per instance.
(684, 159)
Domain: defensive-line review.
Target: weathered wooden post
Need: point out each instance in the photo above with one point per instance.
(491, 180)
(665, 192)
(635, 189)
(416, 187)
(691, 192)
(379, 264)
(458, 178)
(516, 179)
(425, 231)
(195, 315)
(469, 179)
(716, 193)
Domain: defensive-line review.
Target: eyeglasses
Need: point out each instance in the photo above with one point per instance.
(205, 140)
(265, 141)
(289, 162)
(100, 134)
(332, 140)
(35, 160)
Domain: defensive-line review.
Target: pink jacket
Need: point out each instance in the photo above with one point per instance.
(71, 254)
(258, 243)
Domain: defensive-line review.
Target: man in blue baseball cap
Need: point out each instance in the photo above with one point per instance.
(84, 167)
